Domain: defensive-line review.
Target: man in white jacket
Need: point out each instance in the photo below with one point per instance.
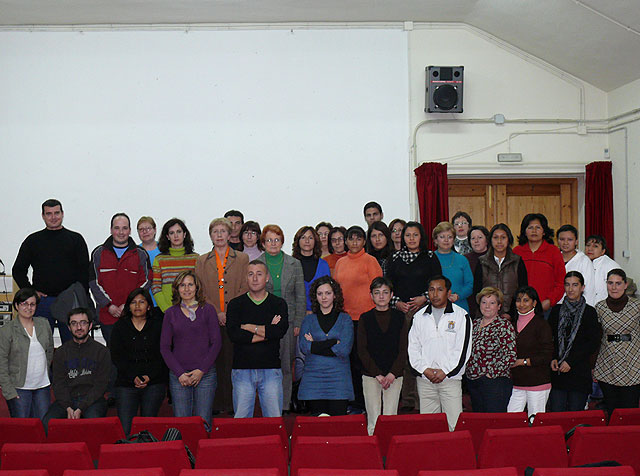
(439, 347)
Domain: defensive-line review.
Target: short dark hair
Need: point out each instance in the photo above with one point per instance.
(251, 226)
(547, 232)
(50, 203)
(317, 246)
(163, 241)
(120, 214)
(440, 277)
(575, 274)
(235, 213)
(379, 282)
(372, 205)
(79, 310)
(464, 215)
(338, 300)
(385, 252)
(482, 229)
(324, 223)
(356, 230)
(23, 294)
(126, 311)
(570, 228)
(258, 262)
(618, 272)
(336, 229)
(503, 227)
(533, 295)
(597, 239)
(424, 244)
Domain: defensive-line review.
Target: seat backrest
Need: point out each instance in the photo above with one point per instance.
(21, 430)
(346, 472)
(168, 455)
(568, 420)
(55, 457)
(251, 452)
(521, 447)
(625, 416)
(245, 427)
(191, 428)
(24, 472)
(510, 471)
(602, 471)
(93, 431)
(594, 444)
(409, 454)
(115, 472)
(477, 423)
(411, 424)
(347, 425)
(336, 452)
(231, 472)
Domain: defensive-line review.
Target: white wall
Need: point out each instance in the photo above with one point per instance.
(625, 200)
(291, 127)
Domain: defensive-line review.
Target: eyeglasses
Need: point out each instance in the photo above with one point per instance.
(273, 240)
(461, 223)
(78, 323)
(250, 233)
(145, 229)
(28, 304)
(323, 234)
(337, 240)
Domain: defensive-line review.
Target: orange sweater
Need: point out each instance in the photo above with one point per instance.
(355, 272)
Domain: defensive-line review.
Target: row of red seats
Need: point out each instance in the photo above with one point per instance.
(408, 454)
(108, 430)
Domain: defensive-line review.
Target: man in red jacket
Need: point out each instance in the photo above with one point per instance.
(117, 267)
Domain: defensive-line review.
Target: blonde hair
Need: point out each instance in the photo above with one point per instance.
(490, 291)
(220, 221)
(442, 226)
(148, 220)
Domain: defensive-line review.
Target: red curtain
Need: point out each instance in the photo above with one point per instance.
(433, 195)
(599, 202)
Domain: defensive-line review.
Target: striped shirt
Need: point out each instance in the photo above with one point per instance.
(165, 270)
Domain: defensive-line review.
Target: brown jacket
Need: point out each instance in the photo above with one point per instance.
(235, 277)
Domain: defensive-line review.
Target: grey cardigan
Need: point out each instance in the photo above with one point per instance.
(14, 352)
(291, 288)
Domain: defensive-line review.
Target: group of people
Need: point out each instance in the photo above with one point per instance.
(373, 319)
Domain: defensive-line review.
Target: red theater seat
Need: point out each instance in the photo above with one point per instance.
(168, 455)
(21, 430)
(568, 420)
(191, 428)
(618, 443)
(115, 472)
(347, 425)
(604, 471)
(522, 447)
(231, 472)
(477, 423)
(346, 472)
(625, 416)
(245, 427)
(409, 454)
(93, 431)
(55, 457)
(472, 472)
(24, 472)
(336, 452)
(252, 452)
(391, 425)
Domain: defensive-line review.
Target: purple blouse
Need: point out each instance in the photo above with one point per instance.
(187, 345)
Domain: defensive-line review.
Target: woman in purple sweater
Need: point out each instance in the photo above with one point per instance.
(189, 344)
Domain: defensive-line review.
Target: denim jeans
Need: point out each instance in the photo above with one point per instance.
(148, 400)
(490, 395)
(97, 409)
(194, 401)
(44, 310)
(268, 384)
(567, 400)
(31, 403)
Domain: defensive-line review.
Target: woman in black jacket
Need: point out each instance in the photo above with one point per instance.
(135, 351)
(576, 335)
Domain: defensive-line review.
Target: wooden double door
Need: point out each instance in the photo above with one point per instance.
(491, 201)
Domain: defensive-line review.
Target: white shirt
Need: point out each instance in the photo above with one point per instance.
(583, 264)
(601, 266)
(445, 346)
(37, 374)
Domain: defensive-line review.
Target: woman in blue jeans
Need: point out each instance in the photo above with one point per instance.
(26, 351)
(190, 343)
(135, 351)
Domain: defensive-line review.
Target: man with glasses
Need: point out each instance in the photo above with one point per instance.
(80, 373)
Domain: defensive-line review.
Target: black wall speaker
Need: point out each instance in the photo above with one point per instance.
(444, 89)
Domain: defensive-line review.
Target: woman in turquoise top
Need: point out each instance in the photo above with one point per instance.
(454, 266)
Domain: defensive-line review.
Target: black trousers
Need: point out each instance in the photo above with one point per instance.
(330, 407)
(620, 397)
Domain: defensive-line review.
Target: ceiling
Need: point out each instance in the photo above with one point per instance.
(597, 41)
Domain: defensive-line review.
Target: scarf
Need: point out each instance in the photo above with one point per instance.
(191, 310)
(405, 255)
(568, 325)
(617, 305)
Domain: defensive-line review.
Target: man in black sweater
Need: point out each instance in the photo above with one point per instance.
(80, 373)
(58, 258)
(256, 321)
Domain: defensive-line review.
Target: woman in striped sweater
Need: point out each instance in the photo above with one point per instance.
(176, 255)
